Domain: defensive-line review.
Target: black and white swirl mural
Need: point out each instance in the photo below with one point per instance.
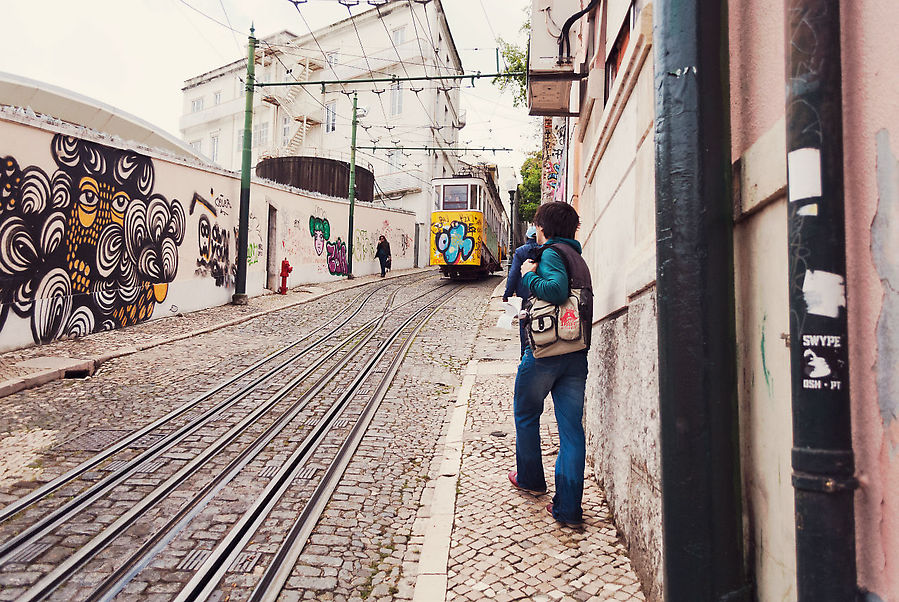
(90, 247)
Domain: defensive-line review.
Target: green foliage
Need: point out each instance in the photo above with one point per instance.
(529, 189)
(516, 60)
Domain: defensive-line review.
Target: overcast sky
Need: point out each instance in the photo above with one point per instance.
(136, 54)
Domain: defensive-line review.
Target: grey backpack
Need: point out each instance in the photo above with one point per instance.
(565, 328)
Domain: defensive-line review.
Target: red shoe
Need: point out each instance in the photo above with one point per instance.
(567, 523)
(513, 478)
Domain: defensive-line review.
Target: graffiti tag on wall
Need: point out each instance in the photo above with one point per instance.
(214, 245)
(337, 259)
(555, 152)
(90, 247)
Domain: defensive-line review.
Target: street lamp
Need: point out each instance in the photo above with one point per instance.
(512, 187)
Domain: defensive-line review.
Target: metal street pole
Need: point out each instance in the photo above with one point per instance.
(352, 191)
(240, 284)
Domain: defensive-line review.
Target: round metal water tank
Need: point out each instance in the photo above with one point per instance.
(318, 174)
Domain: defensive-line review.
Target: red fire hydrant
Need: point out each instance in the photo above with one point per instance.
(285, 272)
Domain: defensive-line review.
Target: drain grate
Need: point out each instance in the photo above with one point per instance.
(148, 440)
(342, 423)
(269, 471)
(29, 553)
(93, 440)
(245, 562)
(193, 560)
(305, 474)
(151, 466)
(116, 465)
(311, 421)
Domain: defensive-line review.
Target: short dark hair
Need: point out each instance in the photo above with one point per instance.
(558, 219)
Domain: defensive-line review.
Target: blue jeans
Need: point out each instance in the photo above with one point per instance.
(565, 376)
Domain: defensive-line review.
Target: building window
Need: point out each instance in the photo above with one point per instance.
(331, 116)
(197, 145)
(240, 141)
(196, 105)
(285, 130)
(396, 98)
(260, 135)
(398, 35)
(613, 63)
(217, 98)
(214, 147)
(393, 160)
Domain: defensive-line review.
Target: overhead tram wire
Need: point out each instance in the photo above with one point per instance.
(493, 33)
(228, 19)
(296, 5)
(365, 56)
(431, 118)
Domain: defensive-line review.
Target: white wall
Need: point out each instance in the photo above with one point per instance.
(158, 237)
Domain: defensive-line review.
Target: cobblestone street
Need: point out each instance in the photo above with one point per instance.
(423, 511)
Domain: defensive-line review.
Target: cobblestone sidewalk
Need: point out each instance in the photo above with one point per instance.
(503, 544)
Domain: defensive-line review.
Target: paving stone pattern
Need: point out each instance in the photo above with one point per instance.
(505, 546)
(368, 542)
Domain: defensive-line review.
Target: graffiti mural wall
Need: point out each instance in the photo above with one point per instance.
(87, 243)
(95, 235)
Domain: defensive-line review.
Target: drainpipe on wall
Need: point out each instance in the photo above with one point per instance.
(701, 499)
(823, 463)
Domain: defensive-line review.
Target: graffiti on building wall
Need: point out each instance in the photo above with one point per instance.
(405, 243)
(214, 244)
(555, 153)
(337, 258)
(320, 230)
(89, 247)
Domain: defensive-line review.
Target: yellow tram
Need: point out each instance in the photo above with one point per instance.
(469, 228)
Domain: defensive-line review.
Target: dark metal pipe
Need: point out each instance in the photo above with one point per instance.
(701, 500)
(563, 37)
(823, 463)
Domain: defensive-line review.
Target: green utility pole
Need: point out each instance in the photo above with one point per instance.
(240, 284)
(352, 191)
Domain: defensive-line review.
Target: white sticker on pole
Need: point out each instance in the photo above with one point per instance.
(825, 293)
(804, 170)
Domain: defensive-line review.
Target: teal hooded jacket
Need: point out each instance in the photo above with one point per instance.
(550, 281)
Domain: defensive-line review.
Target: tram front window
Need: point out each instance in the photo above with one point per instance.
(455, 197)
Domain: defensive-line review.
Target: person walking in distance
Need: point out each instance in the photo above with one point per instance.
(383, 254)
(565, 375)
(514, 283)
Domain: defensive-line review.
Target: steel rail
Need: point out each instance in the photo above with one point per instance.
(48, 488)
(278, 572)
(206, 579)
(63, 571)
(115, 582)
(51, 520)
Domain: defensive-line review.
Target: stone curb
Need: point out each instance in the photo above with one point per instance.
(89, 365)
(436, 519)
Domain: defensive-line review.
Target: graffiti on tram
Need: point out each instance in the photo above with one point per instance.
(455, 236)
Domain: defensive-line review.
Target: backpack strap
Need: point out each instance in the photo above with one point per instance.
(538, 254)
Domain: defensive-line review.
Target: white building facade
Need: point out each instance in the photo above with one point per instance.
(397, 39)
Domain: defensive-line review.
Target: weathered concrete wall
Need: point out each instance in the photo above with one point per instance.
(622, 421)
(615, 182)
(871, 167)
(96, 235)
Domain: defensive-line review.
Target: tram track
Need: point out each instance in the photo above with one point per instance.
(49, 582)
(225, 554)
